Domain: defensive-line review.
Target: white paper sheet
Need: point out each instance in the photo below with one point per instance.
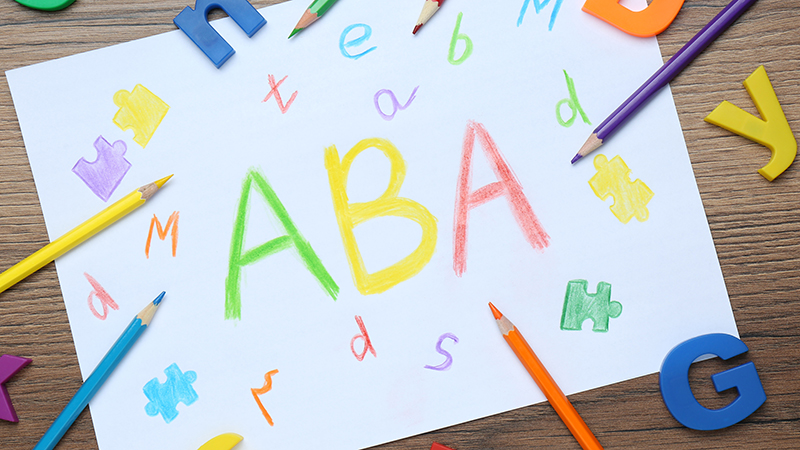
(663, 271)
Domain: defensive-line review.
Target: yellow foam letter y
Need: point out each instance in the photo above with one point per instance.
(773, 131)
(349, 215)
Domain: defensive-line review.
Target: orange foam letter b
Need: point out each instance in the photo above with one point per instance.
(650, 21)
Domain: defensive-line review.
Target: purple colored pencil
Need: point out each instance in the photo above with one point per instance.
(664, 75)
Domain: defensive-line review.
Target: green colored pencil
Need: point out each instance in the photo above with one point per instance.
(314, 12)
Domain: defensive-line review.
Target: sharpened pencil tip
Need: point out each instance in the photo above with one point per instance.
(161, 182)
(160, 297)
(295, 31)
(416, 28)
(495, 312)
(576, 158)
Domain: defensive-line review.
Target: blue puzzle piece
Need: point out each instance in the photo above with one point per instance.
(165, 397)
(579, 305)
(194, 22)
(105, 173)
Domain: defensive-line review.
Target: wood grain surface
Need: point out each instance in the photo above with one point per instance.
(755, 225)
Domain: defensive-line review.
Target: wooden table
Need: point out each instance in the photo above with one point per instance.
(755, 225)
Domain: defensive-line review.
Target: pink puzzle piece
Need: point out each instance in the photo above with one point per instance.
(105, 173)
(9, 365)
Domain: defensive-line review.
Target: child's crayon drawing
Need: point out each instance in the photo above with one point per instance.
(364, 336)
(613, 180)
(539, 7)
(264, 389)
(508, 186)
(457, 36)
(140, 110)
(105, 299)
(273, 91)
(239, 258)
(171, 227)
(396, 106)
(579, 305)
(105, 173)
(448, 357)
(344, 44)
(349, 215)
(573, 103)
(164, 397)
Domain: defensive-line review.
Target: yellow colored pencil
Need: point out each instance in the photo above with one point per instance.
(79, 234)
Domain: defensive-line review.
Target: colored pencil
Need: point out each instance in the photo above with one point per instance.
(664, 75)
(79, 234)
(98, 376)
(429, 8)
(314, 12)
(557, 399)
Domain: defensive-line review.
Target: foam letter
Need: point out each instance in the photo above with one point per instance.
(772, 132)
(508, 186)
(162, 232)
(454, 40)
(194, 22)
(349, 215)
(677, 393)
(650, 21)
(240, 258)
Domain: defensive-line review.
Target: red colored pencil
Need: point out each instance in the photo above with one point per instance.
(428, 10)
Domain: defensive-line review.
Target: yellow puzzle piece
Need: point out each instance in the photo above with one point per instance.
(613, 180)
(772, 132)
(140, 110)
(222, 442)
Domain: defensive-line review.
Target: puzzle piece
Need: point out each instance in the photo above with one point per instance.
(9, 365)
(105, 173)
(772, 132)
(613, 180)
(165, 397)
(579, 305)
(140, 110)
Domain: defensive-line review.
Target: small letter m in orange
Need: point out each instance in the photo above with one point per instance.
(162, 232)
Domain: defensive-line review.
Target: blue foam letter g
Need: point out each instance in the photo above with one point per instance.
(677, 394)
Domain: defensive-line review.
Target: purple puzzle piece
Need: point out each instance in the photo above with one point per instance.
(106, 172)
(9, 365)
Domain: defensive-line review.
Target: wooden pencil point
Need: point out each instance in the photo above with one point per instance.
(591, 144)
(495, 312)
(161, 182)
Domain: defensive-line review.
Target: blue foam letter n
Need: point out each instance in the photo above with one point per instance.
(677, 394)
(194, 22)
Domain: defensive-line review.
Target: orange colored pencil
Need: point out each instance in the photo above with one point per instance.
(557, 399)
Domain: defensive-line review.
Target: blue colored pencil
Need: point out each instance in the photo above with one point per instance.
(98, 376)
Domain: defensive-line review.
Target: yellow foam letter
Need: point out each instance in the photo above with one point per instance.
(772, 132)
(349, 215)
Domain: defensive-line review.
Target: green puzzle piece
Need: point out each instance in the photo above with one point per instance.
(579, 305)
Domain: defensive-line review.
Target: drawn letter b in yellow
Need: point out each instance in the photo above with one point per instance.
(773, 131)
(349, 215)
